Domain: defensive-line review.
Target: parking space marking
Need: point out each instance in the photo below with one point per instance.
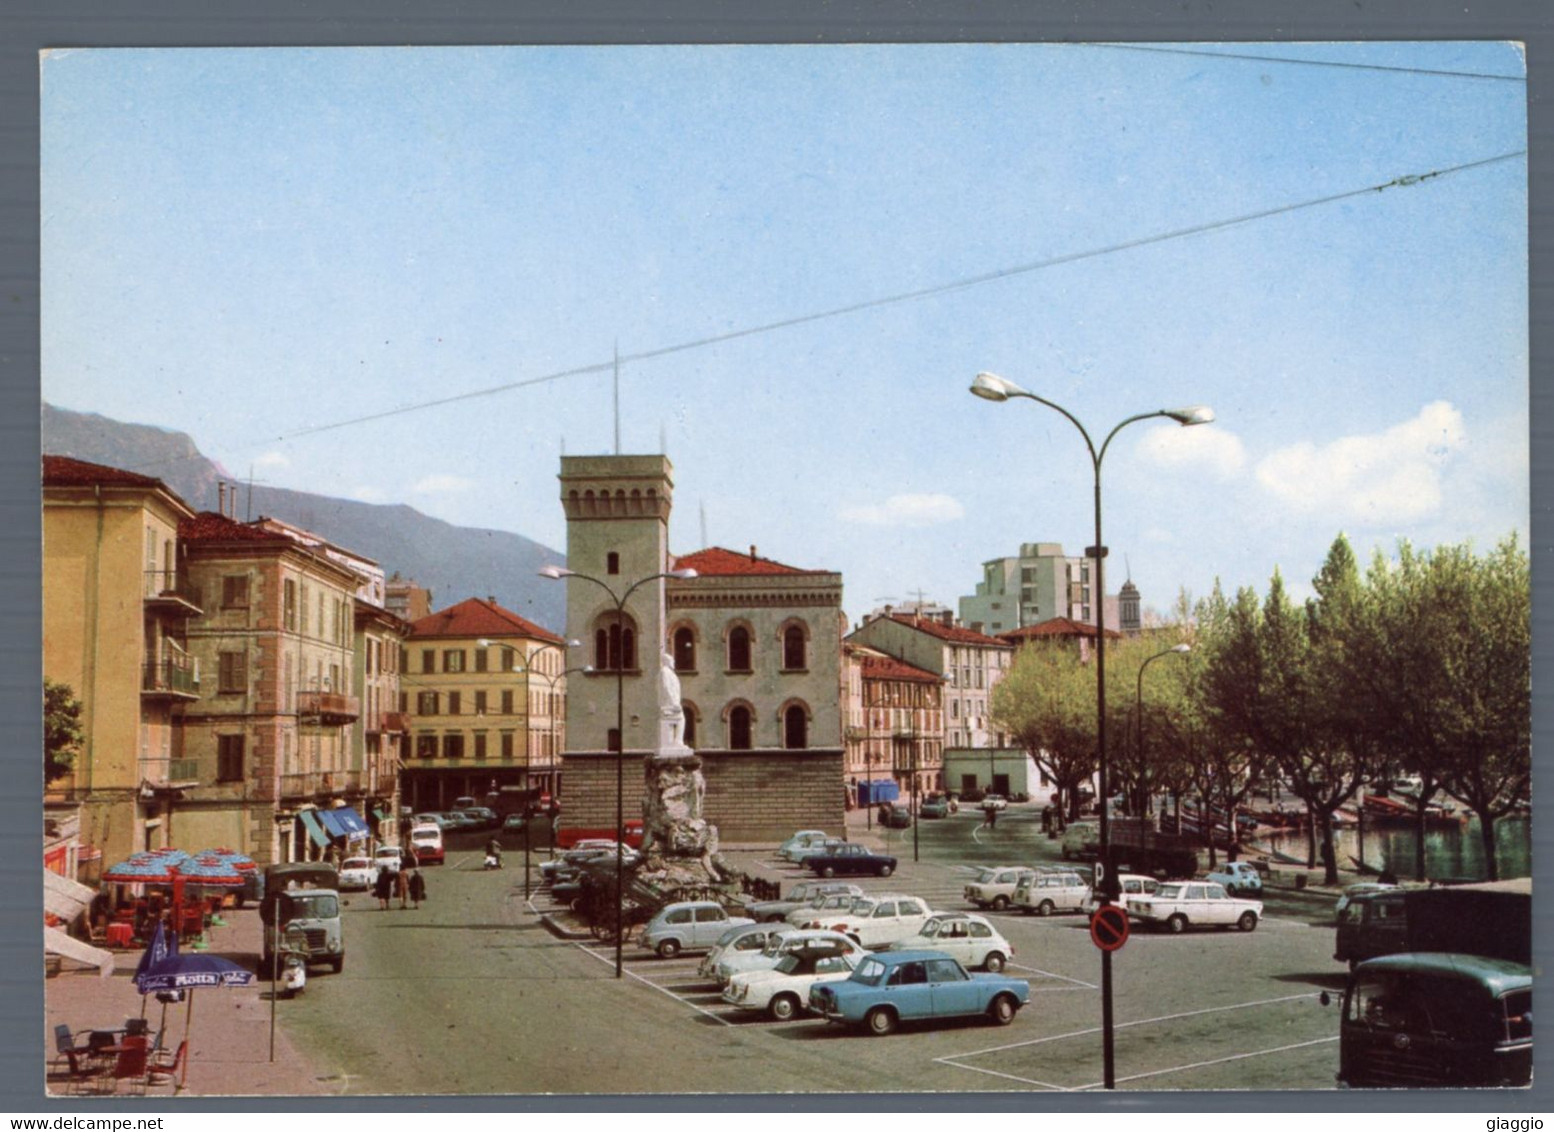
(609, 960)
(950, 1061)
(1204, 1064)
(1080, 984)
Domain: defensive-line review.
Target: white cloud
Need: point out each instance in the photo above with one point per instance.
(369, 494)
(442, 485)
(906, 511)
(1205, 446)
(273, 460)
(1382, 478)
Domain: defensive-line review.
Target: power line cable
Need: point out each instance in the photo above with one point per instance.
(1305, 62)
(922, 293)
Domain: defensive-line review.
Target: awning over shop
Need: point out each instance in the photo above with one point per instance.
(344, 822)
(56, 942)
(64, 897)
(315, 830)
(380, 814)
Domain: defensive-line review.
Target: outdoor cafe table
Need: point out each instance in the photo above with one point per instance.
(120, 934)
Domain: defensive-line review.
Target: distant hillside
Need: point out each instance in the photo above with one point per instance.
(453, 562)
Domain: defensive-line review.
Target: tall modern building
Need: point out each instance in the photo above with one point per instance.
(1042, 583)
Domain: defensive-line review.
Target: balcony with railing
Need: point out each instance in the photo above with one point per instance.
(321, 784)
(166, 590)
(170, 679)
(328, 707)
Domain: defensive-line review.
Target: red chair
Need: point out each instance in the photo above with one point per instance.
(170, 1071)
(128, 1068)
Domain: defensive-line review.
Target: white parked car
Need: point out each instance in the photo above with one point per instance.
(826, 904)
(357, 873)
(390, 855)
(1128, 884)
(783, 941)
(737, 940)
(993, 802)
(1046, 891)
(994, 888)
(880, 920)
(802, 837)
(1179, 904)
(782, 991)
(969, 938)
(1238, 877)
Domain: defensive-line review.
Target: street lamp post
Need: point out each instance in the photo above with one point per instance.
(557, 572)
(991, 387)
(1182, 650)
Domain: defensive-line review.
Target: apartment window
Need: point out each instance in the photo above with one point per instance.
(404, 659)
(320, 614)
(289, 604)
(507, 701)
(612, 739)
(426, 746)
(480, 745)
(304, 606)
(234, 591)
(509, 660)
(793, 648)
(334, 679)
(453, 746)
(454, 702)
(453, 660)
(480, 703)
(684, 649)
(739, 649)
(428, 660)
(426, 703)
(404, 702)
(229, 758)
(507, 746)
(480, 660)
(1027, 574)
(739, 729)
(233, 672)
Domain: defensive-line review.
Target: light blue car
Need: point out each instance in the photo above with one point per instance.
(893, 987)
(802, 837)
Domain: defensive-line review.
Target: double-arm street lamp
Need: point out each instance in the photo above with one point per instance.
(1174, 650)
(991, 387)
(619, 663)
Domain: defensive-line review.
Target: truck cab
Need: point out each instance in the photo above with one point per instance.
(303, 897)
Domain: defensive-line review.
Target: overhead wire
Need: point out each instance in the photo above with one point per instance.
(1406, 180)
(1160, 49)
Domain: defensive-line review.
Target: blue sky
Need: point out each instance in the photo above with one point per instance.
(246, 245)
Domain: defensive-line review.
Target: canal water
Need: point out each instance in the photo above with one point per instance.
(1454, 852)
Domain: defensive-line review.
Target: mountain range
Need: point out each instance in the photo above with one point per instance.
(453, 562)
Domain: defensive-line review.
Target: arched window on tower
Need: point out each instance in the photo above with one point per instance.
(739, 728)
(793, 648)
(684, 649)
(739, 649)
(615, 644)
(795, 728)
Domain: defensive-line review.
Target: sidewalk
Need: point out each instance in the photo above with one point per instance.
(229, 1039)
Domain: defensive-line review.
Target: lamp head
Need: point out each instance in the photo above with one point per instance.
(991, 387)
(686, 573)
(555, 572)
(1191, 415)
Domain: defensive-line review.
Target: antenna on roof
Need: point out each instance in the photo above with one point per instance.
(1127, 568)
(704, 541)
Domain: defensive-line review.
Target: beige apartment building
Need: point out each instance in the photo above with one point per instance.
(895, 727)
(484, 695)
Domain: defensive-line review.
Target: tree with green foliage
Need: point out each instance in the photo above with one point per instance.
(1046, 701)
(62, 734)
(1457, 631)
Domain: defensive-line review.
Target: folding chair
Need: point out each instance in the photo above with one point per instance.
(166, 1070)
(77, 1062)
(128, 1069)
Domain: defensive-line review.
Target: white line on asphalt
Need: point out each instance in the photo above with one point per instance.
(1054, 975)
(1204, 1064)
(1140, 1022)
(609, 960)
(950, 1061)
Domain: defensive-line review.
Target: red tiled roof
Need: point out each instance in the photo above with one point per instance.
(719, 563)
(67, 471)
(956, 633)
(475, 617)
(889, 668)
(208, 526)
(1059, 627)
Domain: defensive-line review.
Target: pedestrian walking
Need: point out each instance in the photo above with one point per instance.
(402, 886)
(383, 886)
(417, 888)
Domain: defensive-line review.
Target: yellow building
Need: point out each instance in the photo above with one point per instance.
(116, 605)
(485, 695)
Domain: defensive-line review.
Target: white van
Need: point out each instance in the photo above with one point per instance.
(1052, 890)
(426, 840)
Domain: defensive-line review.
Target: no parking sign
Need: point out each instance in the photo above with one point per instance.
(1109, 927)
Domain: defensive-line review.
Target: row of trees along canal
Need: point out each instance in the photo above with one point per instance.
(1419, 664)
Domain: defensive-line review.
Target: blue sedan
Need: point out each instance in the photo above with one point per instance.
(893, 987)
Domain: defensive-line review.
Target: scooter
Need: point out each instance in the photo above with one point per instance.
(493, 861)
(294, 974)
